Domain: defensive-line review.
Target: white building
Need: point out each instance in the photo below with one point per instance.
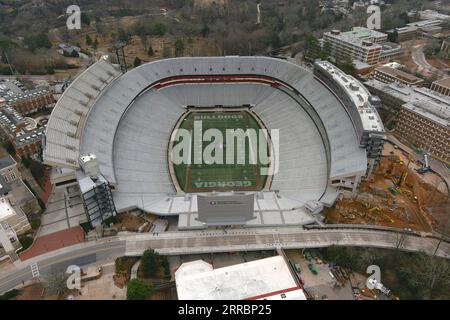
(361, 44)
(265, 279)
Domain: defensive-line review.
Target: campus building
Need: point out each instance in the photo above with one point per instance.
(421, 115)
(264, 279)
(441, 86)
(389, 75)
(23, 133)
(360, 44)
(31, 101)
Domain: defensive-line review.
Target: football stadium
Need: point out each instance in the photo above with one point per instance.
(121, 131)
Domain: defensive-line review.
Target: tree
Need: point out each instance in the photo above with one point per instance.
(139, 290)
(57, 283)
(159, 29)
(167, 52)
(205, 31)
(346, 65)
(137, 62)
(313, 49)
(9, 147)
(88, 40)
(95, 44)
(179, 47)
(325, 52)
(123, 35)
(3, 58)
(150, 263)
(36, 41)
(150, 51)
(85, 18)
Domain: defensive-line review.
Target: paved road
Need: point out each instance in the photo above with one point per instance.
(419, 59)
(175, 243)
(59, 260)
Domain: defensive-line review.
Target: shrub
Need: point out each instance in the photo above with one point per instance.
(139, 290)
(10, 294)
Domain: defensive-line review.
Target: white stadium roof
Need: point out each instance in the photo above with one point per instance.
(127, 120)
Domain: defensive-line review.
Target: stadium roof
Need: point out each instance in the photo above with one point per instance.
(126, 121)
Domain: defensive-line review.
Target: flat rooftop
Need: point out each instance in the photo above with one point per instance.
(6, 210)
(399, 74)
(265, 278)
(6, 161)
(357, 35)
(423, 98)
(443, 82)
(359, 95)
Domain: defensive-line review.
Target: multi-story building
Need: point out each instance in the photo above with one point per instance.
(265, 279)
(390, 50)
(421, 115)
(433, 15)
(26, 138)
(12, 217)
(426, 127)
(31, 101)
(445, 48)
(442, 86)
(389, 75)
(13, 222)
(360, 104)
(8, 169)
(360, 44)
(406, 33)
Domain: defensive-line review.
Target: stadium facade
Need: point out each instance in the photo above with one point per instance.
(330, 132)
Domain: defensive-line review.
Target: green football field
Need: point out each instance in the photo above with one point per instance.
(220, 177)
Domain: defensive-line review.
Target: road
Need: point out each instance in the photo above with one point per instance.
(176, 243)
(419, 59)
(197, 242)
(59, 260)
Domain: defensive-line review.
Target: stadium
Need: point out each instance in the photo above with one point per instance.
(118, 129)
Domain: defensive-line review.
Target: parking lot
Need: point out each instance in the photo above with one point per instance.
(321, 285)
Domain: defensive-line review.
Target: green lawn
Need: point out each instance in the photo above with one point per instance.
(220, 177)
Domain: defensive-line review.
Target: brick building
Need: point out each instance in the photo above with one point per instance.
(390, 75)
(25, 138)
(442, 86)
(31, 101)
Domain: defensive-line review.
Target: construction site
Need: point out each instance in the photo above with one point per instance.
(395, 195)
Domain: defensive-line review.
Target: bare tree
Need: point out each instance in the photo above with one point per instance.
(56, 283)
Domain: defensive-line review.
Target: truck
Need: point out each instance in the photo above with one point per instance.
(312, 268)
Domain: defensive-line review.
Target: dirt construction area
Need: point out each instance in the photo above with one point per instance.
(394, 196)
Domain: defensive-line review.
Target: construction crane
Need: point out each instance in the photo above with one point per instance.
(401, 180)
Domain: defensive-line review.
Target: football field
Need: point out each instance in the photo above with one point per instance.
(221, 177)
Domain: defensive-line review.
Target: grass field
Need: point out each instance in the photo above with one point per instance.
(220, 177)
